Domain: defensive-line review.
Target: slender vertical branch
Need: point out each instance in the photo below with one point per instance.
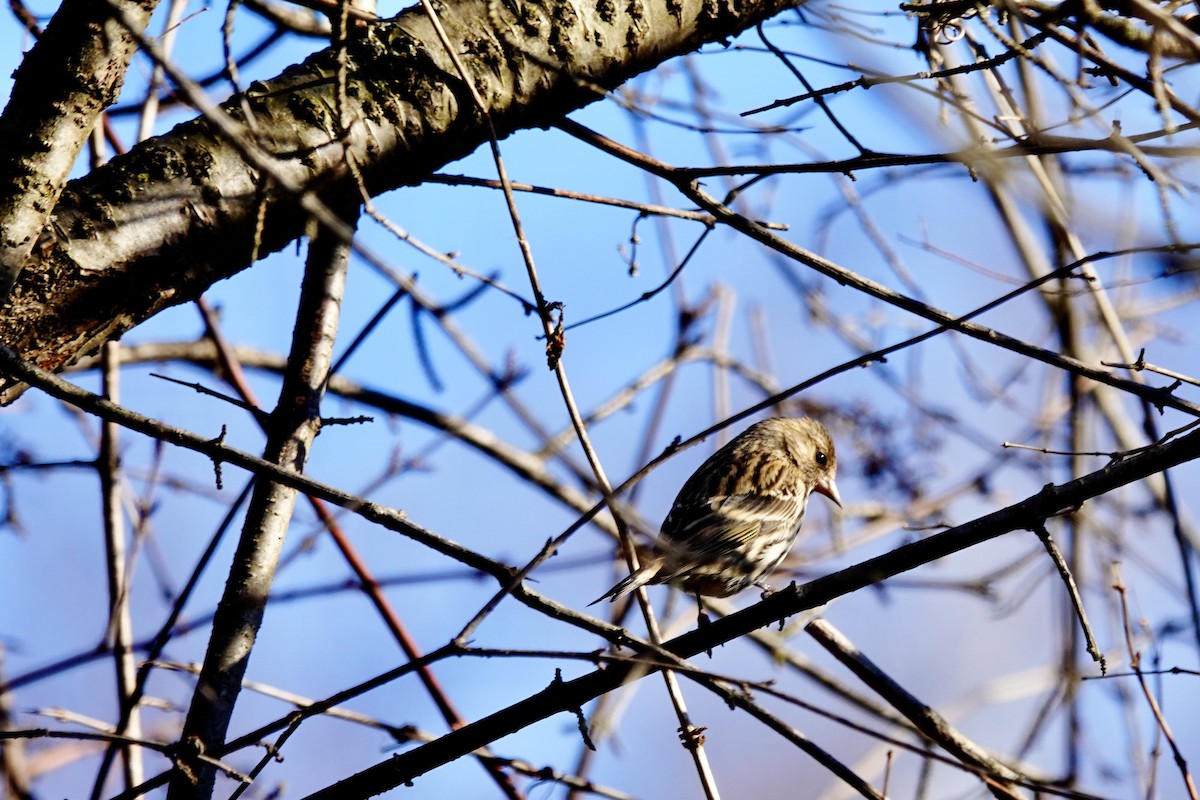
(294, 425)
(120, 619)
(1160, 719)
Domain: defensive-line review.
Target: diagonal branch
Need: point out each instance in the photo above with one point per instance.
(571, 695)
(564, 697)
(1158, 396)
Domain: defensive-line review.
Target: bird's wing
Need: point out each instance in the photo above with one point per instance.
(726, 523)
(768, 507)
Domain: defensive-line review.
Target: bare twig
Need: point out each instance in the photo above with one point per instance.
(1142, 364)
(1060, 565)
(1135, 664)
(119, 568)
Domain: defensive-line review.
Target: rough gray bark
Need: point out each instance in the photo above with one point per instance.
(158, 226)
(67, 79)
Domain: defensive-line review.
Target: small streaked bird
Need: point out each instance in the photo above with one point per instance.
(739, 514)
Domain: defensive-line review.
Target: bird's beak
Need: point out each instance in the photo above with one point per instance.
(829, 489)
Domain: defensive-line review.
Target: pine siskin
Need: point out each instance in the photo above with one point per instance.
(739, 514)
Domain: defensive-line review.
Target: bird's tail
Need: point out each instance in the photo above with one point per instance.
(644, 574)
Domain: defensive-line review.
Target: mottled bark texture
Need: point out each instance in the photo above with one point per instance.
(160, 225)
(73, 72)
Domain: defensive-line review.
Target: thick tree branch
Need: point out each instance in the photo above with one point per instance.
(63, 84)
(157, 226)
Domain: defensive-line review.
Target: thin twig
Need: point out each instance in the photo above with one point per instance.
(1158, 396)
(1135, 663)
(1142, 364)
(120, 624)
(1068, 580)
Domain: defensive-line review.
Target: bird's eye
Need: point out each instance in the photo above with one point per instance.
(821, 459)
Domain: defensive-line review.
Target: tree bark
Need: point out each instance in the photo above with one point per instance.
(290, 433)
(161, 224)
(67, 79)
